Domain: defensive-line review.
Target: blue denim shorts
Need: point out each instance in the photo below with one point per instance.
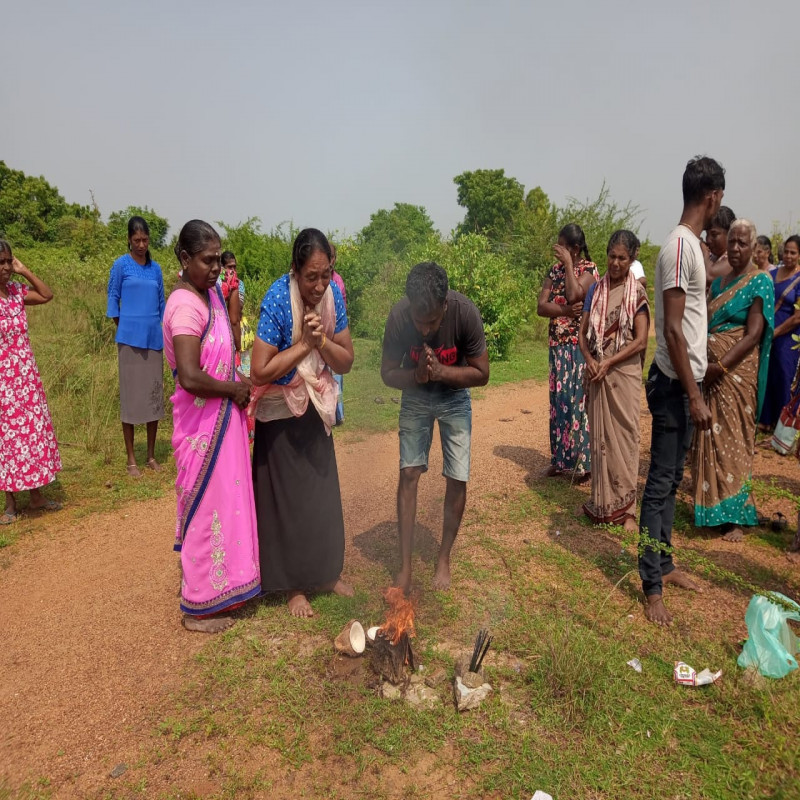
(453, 410)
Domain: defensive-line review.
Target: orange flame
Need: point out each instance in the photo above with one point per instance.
(399, 617)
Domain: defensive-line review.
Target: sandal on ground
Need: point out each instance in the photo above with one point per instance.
(48, 505)
(763, 520)
(154, 465)
(134, 471)
(7, 518)
(778, 522)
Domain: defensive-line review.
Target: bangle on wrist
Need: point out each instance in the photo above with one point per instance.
(323, 343)
(722, 367)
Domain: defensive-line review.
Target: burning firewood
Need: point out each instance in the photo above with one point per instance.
(392, 656)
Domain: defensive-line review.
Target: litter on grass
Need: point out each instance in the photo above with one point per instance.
(635, 663)
(688, 676)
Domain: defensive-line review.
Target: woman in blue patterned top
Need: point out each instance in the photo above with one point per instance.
(136, 304)
(302, 337)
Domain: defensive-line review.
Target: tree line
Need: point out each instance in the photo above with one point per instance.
(497, 255)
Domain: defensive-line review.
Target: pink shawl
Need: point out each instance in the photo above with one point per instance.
(312, 379)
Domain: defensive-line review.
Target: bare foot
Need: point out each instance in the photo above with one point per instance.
(154, 465)
(299, 605)
(441, 578)
(134, 471)
(734, 534)
(403, 580)
(631, 526)
(551, 472)
(656, 611)
(342, 589)
(681, 579)
(209, 625)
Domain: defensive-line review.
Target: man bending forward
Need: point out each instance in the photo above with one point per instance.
(434, 349)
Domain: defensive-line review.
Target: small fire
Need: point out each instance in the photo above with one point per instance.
(399, 617)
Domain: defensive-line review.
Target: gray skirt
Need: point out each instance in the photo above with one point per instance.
(141, 384)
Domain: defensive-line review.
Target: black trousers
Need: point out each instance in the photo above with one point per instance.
(672, 437)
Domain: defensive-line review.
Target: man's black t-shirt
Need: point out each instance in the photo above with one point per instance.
(459, 337)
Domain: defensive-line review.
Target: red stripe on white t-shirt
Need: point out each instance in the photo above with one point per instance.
(678, 263)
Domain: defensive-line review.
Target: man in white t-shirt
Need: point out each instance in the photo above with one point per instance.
(673, 383)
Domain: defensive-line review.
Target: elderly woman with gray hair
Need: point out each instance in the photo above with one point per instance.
(741, 320)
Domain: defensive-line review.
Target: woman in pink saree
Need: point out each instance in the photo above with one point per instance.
(216, 532)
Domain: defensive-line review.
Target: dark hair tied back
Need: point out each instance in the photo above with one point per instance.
(194, 237)
(308, 242)
(5, 247)
(139, 225)
(574, 236)
(627, 239)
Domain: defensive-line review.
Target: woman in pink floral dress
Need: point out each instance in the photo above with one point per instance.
(29, 456)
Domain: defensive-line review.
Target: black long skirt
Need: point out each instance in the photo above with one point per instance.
(298, 504)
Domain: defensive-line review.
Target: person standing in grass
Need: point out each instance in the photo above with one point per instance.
(673, 386)
(216, 531)
(434, 349)
(561, 300)
(741, 320)
(303, 336)
(29, 457)
(613, 338)
(136, 304)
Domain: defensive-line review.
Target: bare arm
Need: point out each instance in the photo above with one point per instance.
(674, 306)
(754, 328)
(41, 293)
(396, 376)
(475, 373)
(337, 352)
(199, 383)
(546, 308)
(583, 343)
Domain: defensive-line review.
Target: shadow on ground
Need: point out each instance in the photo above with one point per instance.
(379, 544)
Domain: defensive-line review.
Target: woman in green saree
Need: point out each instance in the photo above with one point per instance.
(741, 320)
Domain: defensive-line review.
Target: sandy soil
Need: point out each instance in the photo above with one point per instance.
(92, 642)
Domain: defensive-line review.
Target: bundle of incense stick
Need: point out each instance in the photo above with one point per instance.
(482, 642)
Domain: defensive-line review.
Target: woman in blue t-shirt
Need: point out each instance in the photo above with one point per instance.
(302, 337)
(136, 304)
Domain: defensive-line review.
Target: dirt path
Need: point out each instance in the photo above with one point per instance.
(92, 643)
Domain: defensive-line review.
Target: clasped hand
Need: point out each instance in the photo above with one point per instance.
(597, 370)
(429, 368)
(312, 329)
(241, 391)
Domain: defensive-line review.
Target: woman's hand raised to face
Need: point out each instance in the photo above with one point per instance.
(18, 268)
(563, 255)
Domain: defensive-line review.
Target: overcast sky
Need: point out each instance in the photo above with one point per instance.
(323, 113)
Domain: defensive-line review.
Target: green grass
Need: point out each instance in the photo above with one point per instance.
(264, 701)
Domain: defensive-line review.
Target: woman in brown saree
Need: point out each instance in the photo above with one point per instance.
(613, 337)
(740, 330)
